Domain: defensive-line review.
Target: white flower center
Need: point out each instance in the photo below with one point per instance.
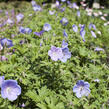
(9, 90)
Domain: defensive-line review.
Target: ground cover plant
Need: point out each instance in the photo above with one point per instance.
(53, 56)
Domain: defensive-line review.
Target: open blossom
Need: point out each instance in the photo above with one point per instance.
(68, 2)
(9, 21)
(66, 54)
(55, 53)
(47, 27)
(92, 26)
(39, 33)
(19, 17)
(51, 12)
(22, 30)
(81, 89)
(3, 58)
(10, 89)
(33, 3)
(37, 8)
(74, 5)
(25, 30)
(65, 51)
(64, 21)
(6, 42)
(28, 30)
(62, 9)
(75, 28)
(57, 3)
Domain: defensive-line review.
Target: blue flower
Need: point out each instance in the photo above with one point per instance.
(82, 33)
(6, 42)
(98, 49)
(47, 27)
(82, 27)
(37, 8)
(3, 24)
(64, 44)
(33, 3)
(62, 9)
(65, 51)
(55, 53)
(39, 33)
(22, 30)
(63, 0)
(57, 3)
(9, 21)
(81, 89)
(28, 30)
(3, 58)
(75, 28)
(51, 12)
(19, 17)
(74, 5)
(65, 34)
(22, 42)
(23, 105)
(66, 54)
(25, 30)
(10, 89)
(92, 26)
(68, 2)
(40, 44)
(93, 34)
(1, 80)
(64, 21)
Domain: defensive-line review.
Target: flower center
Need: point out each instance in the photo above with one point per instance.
(81, 88)
(54, 53)
(9, 90)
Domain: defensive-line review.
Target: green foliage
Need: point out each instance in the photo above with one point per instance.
(47, 84)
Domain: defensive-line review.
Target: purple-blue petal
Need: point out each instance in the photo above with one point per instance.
(6, 42)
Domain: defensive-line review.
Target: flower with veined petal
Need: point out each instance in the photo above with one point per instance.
(81, 89)
(10, 89)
